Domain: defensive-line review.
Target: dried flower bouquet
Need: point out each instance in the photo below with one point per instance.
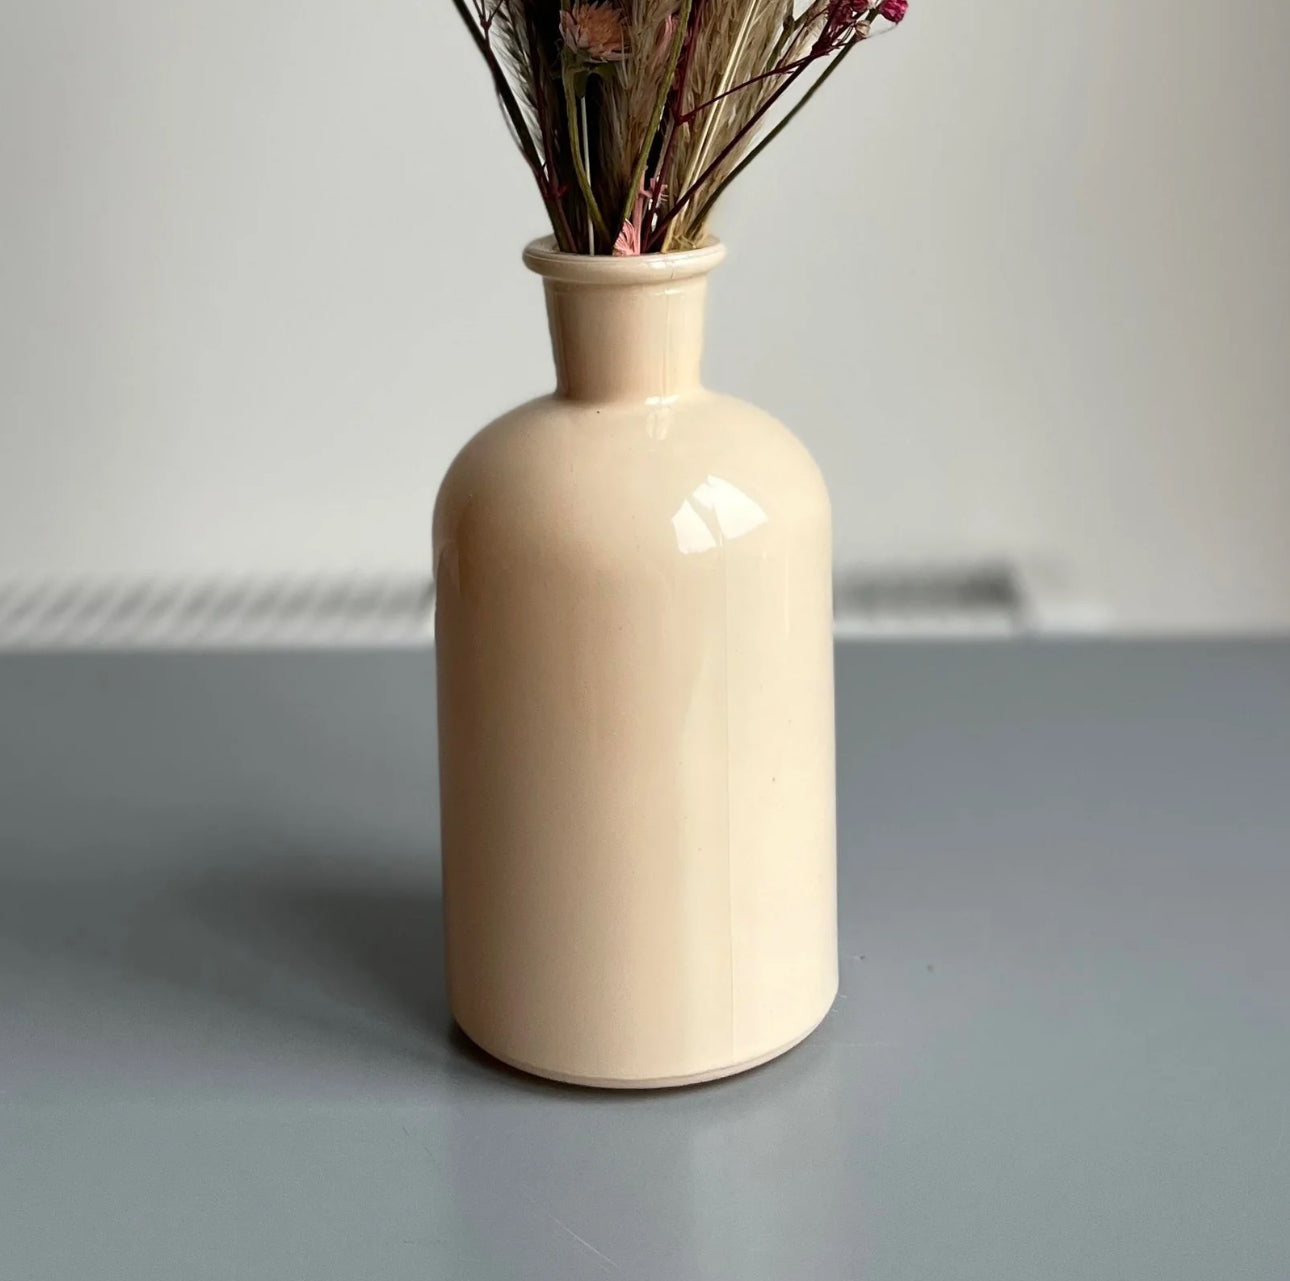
(635, 115)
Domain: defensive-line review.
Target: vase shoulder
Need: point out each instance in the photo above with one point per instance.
(630, 477)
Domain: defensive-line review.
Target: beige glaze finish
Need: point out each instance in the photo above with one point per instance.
(635, 658)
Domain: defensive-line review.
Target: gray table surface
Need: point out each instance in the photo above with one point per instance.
(1061, 1048)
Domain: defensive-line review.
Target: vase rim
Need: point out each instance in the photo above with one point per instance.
(542, 256)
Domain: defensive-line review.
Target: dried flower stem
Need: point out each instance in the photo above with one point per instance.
(790, 37)
(559, 220)
(688, 194)
(784, 69)
(571, 111)
(798, 68)
(664, 89)
(509, 104)
(586, 164)
(682, 76)
(770, 137)
(727, 75)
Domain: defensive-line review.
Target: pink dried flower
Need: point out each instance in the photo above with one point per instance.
(893, 10)
(628, 244)
(594, 31)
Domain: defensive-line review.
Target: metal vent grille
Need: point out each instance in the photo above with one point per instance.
(217, 613)
(923, 599)
(932, 599)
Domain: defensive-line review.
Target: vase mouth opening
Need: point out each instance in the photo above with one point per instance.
(542, 257)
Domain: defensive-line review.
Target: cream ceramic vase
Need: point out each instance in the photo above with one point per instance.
(635, 668)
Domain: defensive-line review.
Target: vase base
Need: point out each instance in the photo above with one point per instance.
(648, 1082)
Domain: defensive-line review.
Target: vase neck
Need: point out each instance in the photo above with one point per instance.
(628, 342)
(626, 329)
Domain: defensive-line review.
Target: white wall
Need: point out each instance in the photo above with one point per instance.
(1021, 280)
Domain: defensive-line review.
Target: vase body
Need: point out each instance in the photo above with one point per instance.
(635, 667)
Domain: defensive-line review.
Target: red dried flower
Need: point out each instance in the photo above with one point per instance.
(893, 10)
(842, 17)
